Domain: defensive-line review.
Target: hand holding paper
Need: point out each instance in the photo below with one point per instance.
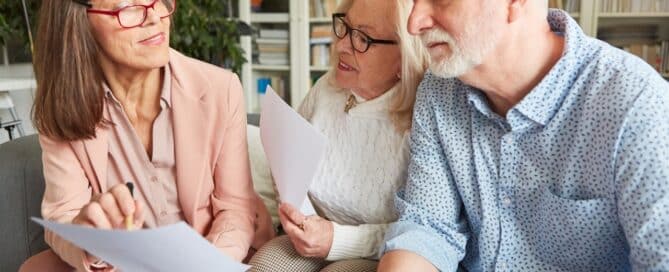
(294, 150)
(172, 248)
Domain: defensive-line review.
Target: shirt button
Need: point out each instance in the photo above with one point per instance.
(154, 179)
(506, 201)
(502, 265)
(163, 213)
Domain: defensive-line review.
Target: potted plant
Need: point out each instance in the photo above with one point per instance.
(203, 29)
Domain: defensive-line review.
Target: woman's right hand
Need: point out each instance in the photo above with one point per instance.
(109, 210)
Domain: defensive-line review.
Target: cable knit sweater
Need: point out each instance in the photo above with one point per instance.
(365, 163)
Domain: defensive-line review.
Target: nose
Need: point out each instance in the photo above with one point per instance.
(343, 45)
(420, 19)
(152, 16)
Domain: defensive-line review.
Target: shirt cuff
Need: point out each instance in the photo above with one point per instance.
(349, 242)
(421, 241)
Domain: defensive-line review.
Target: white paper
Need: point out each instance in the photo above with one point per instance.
(307, 208)
(172, 248)
(294, 150)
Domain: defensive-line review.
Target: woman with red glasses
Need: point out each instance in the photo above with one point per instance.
(115, 104)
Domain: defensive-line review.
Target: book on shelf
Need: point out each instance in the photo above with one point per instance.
(278, 83)
(321, 34)
(621, 36)
(651, 53)
(567, 5)
(273, 34)
(641, 41)
(316, 9)
(320, 55)
(321, 31)
(271, 41)
(273, 47)
(324, 40)
(322, 8)
(273, 60)
(634, 6)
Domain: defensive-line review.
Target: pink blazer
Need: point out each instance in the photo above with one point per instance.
(213, 176)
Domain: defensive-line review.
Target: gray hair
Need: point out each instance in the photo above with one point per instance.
(414, 63)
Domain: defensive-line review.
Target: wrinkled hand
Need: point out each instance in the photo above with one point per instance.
(108, 210)
(311, 236)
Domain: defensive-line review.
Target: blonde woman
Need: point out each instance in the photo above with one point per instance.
(364, 106)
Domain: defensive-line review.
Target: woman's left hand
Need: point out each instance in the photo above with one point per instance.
(311, 236)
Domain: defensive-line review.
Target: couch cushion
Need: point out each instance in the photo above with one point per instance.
(21, 191)
(260, 172)
(22, 188)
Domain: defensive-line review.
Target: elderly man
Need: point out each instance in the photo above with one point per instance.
(533, 148)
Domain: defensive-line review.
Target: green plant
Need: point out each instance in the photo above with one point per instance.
(12, 22)
(202, 30)
(4, 30)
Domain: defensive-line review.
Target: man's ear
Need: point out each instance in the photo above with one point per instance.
(517, 8)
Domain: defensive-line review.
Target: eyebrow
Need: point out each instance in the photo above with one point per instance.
(361, 27)
(123, 3)
(118, 5)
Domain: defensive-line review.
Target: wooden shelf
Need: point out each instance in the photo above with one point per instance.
(575, 15)
(319, 68)
(270, 17)
(665, 75)
(263, 67)
(320, 20)
(639, 15)
(622, 19)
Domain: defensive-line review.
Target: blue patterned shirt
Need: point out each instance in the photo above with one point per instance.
(575, 178)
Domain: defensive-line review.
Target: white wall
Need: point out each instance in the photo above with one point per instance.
(23, 99)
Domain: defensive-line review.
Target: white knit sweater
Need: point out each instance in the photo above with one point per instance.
(365, 164)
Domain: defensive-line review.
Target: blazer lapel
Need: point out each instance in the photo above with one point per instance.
(189, 126)
(97, 150)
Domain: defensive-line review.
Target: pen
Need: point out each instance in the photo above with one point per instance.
(129, 222)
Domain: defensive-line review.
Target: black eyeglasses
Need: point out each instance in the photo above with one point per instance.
(360, 41)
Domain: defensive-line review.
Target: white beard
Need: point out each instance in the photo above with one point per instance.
(467, 52)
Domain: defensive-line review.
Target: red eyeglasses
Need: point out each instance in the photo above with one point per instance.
(135, 15)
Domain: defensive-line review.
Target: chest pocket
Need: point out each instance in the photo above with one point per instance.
(579, 234)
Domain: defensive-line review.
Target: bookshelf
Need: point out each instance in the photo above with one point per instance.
(320, 36)
(608, 19)
(276, 52)
(299, 71)
(306, 26)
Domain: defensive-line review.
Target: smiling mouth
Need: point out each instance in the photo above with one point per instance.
(345, 67)
(155, 38)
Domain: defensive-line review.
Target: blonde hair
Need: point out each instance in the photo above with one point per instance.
(414, 63)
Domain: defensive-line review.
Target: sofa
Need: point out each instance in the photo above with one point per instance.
(22, 188)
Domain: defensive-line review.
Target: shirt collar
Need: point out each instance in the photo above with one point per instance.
(543, 102)
(165, 92)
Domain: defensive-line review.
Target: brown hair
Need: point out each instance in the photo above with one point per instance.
(69, 101)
